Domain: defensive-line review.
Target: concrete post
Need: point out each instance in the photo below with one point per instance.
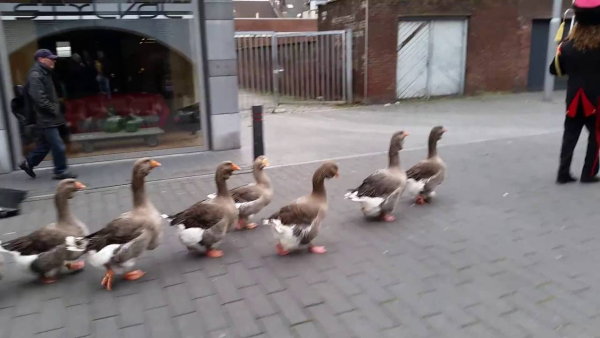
(222, 88)
(349, 86)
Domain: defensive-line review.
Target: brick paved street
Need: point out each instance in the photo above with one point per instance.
(502, 252)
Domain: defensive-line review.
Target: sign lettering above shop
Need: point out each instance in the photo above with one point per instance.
(134, 10)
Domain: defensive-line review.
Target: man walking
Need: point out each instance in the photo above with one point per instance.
(43, 102)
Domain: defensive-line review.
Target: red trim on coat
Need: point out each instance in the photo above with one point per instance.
(589, 109)
(597, 135)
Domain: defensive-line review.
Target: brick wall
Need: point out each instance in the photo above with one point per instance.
(276, 25)
(498, 41)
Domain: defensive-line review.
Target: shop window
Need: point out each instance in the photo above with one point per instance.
(126, 73)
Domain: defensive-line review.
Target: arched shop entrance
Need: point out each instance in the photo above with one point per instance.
(128, 84)
(105, 75)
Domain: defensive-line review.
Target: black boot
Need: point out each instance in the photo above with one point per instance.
(592, 179)
(563, 179)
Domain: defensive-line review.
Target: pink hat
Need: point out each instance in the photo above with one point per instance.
(587, 12)
(586, 3)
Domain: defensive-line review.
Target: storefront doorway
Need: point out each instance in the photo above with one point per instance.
(127, 76)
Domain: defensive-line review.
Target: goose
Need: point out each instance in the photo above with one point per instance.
(48, 250)
(116, 246)
(252, 198)
(379, 192)
(429, 172)
(205, 223)
(297, 224)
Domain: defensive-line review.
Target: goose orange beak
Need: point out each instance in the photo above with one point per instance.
(406, 133)
(154, 164)
(266, 163)
(79, 186)
(235, 166)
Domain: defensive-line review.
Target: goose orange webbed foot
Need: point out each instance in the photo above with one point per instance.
(212, 253)
(244, 225)
(48, 280)
(107, 280)
(388, 218)
(317, 249)
(281, 251)
(251, 226)
(75, 266)
(134, 275)
(241, 224)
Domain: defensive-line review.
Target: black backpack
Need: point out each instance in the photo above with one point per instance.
(22, 110)
(21, 106)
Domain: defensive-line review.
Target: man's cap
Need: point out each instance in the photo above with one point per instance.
(44, 53)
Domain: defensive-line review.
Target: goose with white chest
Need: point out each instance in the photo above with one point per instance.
(379, 193)
(430, 172)
(297, 224)
(205, 223)
(47, 251)
(253, 197)
(117, 246)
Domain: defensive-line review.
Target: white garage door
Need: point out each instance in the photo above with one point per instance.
(431, 58)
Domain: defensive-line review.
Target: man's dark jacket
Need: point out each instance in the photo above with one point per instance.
(43, 98)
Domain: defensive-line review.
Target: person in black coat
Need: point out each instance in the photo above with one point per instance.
(578, 57)
(42, 98)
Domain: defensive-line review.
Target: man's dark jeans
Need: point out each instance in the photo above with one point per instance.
(49, 139)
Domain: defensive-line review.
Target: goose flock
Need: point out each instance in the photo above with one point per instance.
(66, 244)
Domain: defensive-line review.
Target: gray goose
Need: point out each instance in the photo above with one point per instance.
(297, 224)
(116, 246)
(47, 250)
(205, 223)
(429, 172)
(252, 198)
(379, 192)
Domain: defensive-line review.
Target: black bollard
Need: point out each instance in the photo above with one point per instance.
(257, 128)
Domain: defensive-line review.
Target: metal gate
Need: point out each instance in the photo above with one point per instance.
(431, 58)
(276, 68)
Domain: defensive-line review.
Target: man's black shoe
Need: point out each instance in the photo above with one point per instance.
(27, 169)
(64, 175)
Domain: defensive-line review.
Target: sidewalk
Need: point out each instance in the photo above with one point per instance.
(311, 133)
(503, 252)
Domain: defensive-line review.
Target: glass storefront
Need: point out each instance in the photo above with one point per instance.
(127, 72)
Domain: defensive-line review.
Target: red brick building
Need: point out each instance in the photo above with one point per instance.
(498, 45)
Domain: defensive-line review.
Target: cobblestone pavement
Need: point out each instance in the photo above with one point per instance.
(502, 252)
